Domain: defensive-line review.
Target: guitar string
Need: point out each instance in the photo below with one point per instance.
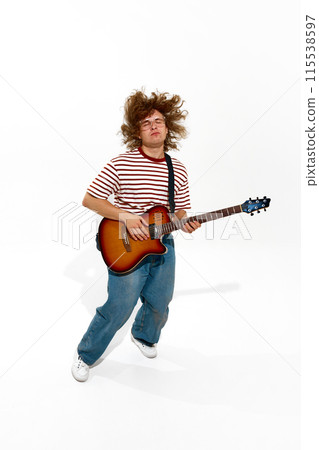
(168, 227)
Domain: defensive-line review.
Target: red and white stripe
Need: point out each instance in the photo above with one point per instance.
(139, 182)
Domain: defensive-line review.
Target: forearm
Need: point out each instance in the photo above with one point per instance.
(104, 208)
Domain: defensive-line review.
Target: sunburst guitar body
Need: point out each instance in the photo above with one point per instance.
(120, 252)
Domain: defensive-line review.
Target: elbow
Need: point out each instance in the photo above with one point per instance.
(89, 201)
(85, 201)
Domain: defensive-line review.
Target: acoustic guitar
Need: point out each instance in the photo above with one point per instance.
(122, 254)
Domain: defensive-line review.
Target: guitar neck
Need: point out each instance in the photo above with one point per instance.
(201, 218)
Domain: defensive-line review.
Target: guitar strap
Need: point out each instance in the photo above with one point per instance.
(170, 182)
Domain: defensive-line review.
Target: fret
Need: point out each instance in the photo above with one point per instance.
(217, 214)
(168, 227)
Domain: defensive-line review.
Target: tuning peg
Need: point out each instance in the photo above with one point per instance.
(251, 214)
(257, 198)
(264, 196)
(265, 209)
(258, 211)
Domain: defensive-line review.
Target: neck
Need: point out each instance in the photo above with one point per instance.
(166, 228)
(154, 152)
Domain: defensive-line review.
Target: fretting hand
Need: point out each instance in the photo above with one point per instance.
(187, 227)
(191, 226)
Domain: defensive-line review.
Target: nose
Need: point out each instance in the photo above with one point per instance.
(154, 124)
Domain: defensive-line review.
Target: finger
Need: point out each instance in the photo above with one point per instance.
(142, 233)
(143, 229)
(132, 233)
(195, 225)
(187, 228)
(139, 234)
(191, 226)
(145, 232)
(143, 221)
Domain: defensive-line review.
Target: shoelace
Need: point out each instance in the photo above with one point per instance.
(80, 363)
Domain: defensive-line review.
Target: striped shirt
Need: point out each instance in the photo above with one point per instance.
(139, 182)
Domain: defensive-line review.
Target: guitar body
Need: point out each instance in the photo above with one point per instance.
(120, 252)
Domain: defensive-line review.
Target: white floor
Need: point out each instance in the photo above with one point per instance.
(227, 373)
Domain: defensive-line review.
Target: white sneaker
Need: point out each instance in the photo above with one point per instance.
(80, 370)
(149, 352)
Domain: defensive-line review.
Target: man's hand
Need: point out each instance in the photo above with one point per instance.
(191, 226)
(136, 226)
(188, 227)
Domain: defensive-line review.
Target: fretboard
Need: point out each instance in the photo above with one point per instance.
(166, 228)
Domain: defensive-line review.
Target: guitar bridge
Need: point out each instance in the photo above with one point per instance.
(125, 239)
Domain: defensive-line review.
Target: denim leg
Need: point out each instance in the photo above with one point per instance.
(123, 294)
(156, 295)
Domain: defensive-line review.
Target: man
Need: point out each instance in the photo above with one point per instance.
(139, 180)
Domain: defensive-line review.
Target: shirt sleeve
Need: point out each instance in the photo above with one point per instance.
(106, 183)
(182, 197)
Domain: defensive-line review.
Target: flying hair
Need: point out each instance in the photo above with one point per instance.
(138, 106)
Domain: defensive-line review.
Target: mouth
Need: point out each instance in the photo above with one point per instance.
(153, 134)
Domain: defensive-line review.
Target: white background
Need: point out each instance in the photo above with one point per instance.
(227, 375)
(309, 265)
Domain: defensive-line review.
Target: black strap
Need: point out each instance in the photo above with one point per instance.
(170, 182)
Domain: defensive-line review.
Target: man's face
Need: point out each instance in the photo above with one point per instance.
(153, 130)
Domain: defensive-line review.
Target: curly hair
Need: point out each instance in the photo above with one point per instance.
(138, 106)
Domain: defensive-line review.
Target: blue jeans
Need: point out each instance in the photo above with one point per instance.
(153, 282)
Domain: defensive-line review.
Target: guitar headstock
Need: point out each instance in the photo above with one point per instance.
(250, 206)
